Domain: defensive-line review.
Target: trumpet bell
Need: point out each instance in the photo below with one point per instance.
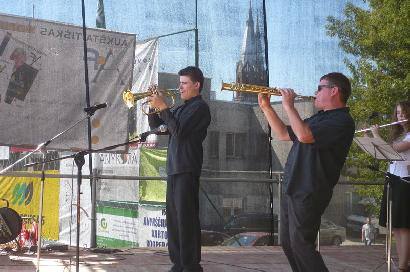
(128, 98)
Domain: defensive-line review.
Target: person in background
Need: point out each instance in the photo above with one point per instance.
(368, 232)
(400, 141)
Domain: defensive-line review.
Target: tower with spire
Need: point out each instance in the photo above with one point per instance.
(250, 69)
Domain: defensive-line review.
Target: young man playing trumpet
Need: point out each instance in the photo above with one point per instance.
(320, 146)
(187, 129)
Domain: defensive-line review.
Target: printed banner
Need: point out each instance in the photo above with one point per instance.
(42, 85)
(145, 74)
(152, 226)
(117, 224)
(23, 194)
(153, 163)
(117, 165)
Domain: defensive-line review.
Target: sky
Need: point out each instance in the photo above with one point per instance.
(299, 50)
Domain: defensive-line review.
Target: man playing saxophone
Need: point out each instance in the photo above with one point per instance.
(320, 146)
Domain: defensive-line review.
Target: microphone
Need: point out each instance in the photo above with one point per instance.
(91, 110)
(161, 130)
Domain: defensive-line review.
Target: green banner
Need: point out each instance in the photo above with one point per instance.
(117, 224)
(152, 163)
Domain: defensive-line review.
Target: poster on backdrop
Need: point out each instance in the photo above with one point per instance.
(116, 205)
(117, 224)
(117, 165)
(145, 75)
(42, 85)
(23, 194)
(152, 226)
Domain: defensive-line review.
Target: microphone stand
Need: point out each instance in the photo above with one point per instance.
(42, 146)
(40, 214)
(79, 161)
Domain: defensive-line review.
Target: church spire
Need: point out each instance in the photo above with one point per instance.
(250, 68)
(248, 49)
(260, 54)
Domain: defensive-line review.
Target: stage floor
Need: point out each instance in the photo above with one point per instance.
(214, 259)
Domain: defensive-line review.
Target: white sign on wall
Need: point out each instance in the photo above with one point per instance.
(4, 152)
(152, 226)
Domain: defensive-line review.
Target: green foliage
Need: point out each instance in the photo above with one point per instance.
(377, 38)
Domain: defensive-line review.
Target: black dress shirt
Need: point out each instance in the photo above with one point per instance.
(187, 128)
(316, 167)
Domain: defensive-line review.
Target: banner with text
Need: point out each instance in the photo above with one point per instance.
(152, 226)
(42, 85)
(117, 224)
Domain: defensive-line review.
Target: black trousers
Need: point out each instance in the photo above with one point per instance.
(300, 222)
(184, 230)
(400, 193)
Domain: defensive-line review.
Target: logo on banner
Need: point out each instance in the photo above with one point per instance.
(101, 60)
(143, 63)
(103, 224)
(22, 192)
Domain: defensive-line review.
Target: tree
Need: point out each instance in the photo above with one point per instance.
(377, 38)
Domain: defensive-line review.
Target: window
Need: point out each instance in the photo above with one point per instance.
(235, 143)
(348, 202)
(230, 145)
(214, 144)
(231, 206)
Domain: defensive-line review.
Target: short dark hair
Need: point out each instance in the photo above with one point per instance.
(194, 73)
(340, 81)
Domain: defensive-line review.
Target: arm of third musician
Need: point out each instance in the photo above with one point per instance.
(278, 127)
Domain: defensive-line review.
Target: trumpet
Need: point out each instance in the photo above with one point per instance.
(386, 125)
(130, 99)
(256, 89)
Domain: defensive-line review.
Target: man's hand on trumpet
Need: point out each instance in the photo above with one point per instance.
(157, 101)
